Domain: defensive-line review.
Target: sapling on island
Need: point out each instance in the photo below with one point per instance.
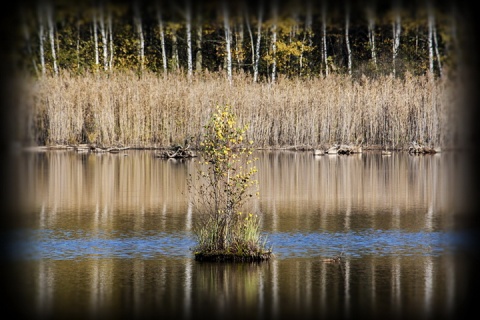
(224, 228)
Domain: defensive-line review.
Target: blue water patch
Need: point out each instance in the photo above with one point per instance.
(55, 245)
(365, 242)
(65, 245)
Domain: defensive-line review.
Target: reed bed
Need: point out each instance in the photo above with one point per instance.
(156, 111)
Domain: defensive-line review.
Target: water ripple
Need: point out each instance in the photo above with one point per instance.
(46, 244)
(65, 245)
(366, 242)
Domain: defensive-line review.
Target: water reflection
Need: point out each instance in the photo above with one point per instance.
(62, 245)
(110, 235)
(93, 190)
(184, 288)
(408, 192)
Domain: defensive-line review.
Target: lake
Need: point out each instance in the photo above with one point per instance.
(110, 235)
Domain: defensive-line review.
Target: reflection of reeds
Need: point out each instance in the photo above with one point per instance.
(297, 191)
(158, 111)
(300, 192)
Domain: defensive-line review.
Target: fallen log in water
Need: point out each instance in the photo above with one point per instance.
(80, 148)
(416, 148)
(110, 149)
(343, 149)
(176, 152)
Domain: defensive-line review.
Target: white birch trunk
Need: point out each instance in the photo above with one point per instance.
(110, 33)
(432, 41)
(435, 43)
(226, 26)
(259, 39)
(324, 38)
(396, 27)
(347, 40)
(274, 51)
(78, 45)
(103, 33)
(416, 39)
(51, 35)
(95, 38)
(189, 39)
(162, 40)
(371, 35)
(274, 41)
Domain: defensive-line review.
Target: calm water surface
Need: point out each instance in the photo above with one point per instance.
(109, 235)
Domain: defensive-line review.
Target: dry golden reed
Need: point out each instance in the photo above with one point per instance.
(154, 110)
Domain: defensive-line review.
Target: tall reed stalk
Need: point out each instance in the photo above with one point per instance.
(123, 108)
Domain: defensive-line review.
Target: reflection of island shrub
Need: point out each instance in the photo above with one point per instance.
(222, 230)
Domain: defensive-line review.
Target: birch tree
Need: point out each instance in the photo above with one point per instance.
(41, 38)
(396, 28)
(432, 41)
(250, 34)
(95, 38)
(371, 35)
(274, 40)
(437, 53)
(324, 37)
(188, 16)
(285, 48)
(256, 52)
(51, 36)
(347, 40)
(103, 33)
(162, 39)
(226, 26)
(110, 32)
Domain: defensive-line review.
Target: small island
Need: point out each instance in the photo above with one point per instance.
(225, 230)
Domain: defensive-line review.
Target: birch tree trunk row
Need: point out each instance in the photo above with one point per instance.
(102, 26)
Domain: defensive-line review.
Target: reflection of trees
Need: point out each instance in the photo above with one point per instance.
(98, 191)
(380, 286)
(311, 193)
(102, 190)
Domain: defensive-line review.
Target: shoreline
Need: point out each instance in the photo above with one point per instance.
(115, 149)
